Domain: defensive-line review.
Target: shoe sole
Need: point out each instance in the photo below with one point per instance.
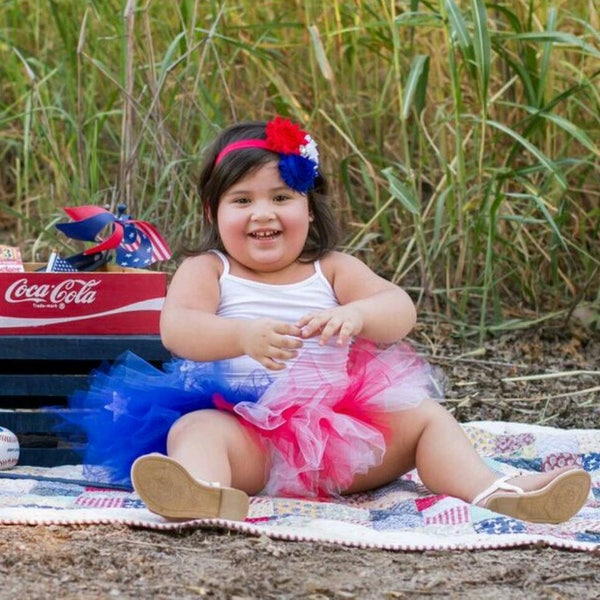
(556, 502)
(170, 491)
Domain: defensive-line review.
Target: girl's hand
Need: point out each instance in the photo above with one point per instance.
(270, 342)
(344, 322)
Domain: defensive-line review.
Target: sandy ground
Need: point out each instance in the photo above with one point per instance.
(497, 381)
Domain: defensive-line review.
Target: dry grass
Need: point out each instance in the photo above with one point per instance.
(462, 141)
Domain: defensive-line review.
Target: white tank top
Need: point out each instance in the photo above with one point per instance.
(246, 299)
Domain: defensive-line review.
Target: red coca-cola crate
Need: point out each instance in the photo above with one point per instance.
(111, 300)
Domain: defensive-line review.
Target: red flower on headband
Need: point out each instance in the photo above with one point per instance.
(284, 137)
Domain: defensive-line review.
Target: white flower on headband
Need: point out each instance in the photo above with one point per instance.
(310, 150)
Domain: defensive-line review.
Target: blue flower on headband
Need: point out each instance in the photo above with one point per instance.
(298, 172)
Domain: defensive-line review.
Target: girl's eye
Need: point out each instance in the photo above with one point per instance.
(281, 198)
(241, 201)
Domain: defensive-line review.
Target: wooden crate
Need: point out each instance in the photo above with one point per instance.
(110, 301)
(42, 371)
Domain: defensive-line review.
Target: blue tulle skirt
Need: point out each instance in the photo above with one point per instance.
(131, 405)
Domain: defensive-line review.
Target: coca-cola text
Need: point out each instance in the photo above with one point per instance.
(68, 291)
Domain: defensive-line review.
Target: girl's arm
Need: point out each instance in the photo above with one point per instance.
(190, 327)
(371, 307)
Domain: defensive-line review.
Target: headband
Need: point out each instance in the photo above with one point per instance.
(298, 154)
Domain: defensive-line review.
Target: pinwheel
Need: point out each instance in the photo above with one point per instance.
(136, 243)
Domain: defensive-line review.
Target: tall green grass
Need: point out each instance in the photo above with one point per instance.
(462, 139)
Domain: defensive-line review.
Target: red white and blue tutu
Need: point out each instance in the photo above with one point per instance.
(320, 434)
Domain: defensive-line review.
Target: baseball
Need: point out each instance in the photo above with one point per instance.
(9, 449)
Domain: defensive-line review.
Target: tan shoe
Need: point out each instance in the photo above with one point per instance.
(170, 491)
(556, 502)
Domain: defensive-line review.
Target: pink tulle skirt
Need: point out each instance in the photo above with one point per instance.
(320, 436)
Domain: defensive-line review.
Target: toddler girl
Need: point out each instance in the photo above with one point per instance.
(290, 376)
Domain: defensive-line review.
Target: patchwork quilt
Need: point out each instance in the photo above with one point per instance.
(403, 515)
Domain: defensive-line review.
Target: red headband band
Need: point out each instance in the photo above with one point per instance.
(240, 146)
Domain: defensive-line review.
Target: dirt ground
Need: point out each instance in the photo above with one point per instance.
(499, 380)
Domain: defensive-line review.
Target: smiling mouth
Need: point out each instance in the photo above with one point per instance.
(265, 235)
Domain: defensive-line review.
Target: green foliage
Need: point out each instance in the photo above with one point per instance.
(461, 137)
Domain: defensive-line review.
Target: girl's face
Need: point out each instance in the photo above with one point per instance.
(263, 224)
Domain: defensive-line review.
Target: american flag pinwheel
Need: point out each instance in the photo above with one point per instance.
(136, 243)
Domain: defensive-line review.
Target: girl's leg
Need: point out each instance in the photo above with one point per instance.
(430, 439)
(213, 463)
(214, 446)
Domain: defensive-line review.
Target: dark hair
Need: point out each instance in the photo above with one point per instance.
(215, 180)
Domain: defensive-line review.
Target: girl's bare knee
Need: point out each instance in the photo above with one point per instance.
(409, 423)
(202, 424)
